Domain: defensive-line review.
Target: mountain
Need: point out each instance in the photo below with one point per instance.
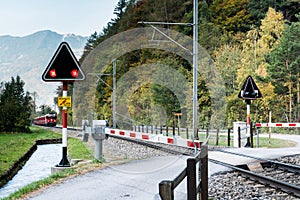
(28, 57)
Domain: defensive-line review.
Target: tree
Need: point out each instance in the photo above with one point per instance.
(15, 106)
(231, 15)
(258, 9)
(45, 109)
(227, 60)
(120, 9)
(284, 69)
(90, 45)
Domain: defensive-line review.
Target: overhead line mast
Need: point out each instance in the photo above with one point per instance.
(195, 59)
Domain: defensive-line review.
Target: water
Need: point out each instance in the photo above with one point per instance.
(36, 168)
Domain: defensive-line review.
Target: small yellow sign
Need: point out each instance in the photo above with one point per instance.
(64, 101)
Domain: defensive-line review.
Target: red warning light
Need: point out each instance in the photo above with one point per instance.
(74, 73)
(52, 73)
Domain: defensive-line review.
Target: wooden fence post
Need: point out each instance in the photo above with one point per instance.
(217, 137)
(187, 133)
(228, 138)
(167, 130)
(204, 172)
(251, 135)
(191, 179)
(165, 190)
(239, 137)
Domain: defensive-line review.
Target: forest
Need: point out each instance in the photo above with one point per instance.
(242, 37)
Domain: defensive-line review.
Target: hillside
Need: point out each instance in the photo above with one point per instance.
(242, 37)
(28, 57)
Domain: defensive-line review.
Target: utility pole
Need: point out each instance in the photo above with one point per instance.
(195, 70)
(195, 60)
(114, 92)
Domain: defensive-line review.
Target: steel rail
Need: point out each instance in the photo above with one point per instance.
(284, 186)
(284, 166)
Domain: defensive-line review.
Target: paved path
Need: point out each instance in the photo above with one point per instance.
(139, 179)
(135, 180)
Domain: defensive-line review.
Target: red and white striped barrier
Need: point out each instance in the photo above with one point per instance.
(131, 134)
(154, 138)
(195, 143)
(288, 125)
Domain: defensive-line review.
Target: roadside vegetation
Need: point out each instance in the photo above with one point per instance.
(14, 145)
(15, 106)
(264, 142)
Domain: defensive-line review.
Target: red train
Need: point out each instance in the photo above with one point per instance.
(45, 120)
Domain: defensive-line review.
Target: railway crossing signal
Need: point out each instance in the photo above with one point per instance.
(63, 66)
(249, 90)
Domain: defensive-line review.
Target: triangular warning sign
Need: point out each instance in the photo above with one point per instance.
(249, 90)
(63, 66)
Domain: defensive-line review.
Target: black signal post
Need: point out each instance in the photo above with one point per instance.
(64, 68)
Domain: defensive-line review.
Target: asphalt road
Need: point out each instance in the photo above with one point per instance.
(133, 180)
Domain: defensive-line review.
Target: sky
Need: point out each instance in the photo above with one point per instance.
(79, 17)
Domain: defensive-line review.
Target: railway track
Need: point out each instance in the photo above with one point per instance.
(278, 175)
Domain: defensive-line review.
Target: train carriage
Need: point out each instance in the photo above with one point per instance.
(45, 120)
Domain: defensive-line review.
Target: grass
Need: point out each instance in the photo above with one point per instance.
(273, 143)
(14, 145)
(78, 149)
(263, 141)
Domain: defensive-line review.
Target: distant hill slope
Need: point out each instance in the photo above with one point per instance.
(28, 57)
